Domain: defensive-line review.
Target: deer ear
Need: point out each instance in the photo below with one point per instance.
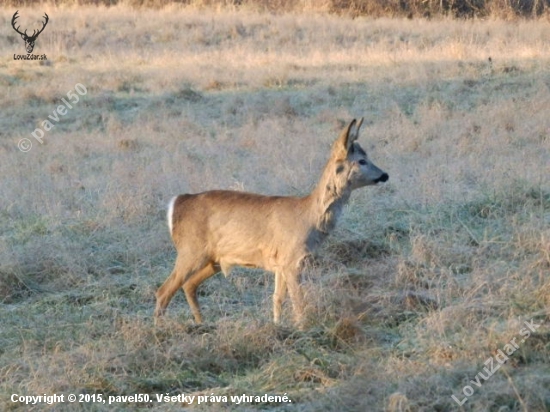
(356, 131)
(342, 145)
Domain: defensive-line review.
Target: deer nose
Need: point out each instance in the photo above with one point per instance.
(383, 178)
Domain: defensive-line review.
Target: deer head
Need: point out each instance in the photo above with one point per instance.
(29, 40)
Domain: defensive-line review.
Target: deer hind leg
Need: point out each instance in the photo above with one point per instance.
(183, 268)
(278, 296)
(191, 284)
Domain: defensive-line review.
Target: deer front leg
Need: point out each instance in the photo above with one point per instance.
(278, 296)
(292, 280)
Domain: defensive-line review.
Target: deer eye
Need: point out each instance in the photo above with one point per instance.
(362, 162)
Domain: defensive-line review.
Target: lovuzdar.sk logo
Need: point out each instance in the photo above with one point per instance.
(29, 40)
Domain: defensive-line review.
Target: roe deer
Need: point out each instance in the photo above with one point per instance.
(216, 230)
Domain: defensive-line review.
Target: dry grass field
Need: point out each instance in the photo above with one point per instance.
(425, 279)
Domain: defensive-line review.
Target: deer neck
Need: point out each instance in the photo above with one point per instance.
(329, 198)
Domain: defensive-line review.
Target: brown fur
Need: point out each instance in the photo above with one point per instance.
(219, 229)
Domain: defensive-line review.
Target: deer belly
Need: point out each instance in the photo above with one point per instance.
(250, 259)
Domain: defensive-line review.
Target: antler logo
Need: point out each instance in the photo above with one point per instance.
(29, 40)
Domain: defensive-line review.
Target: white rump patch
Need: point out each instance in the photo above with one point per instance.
(170, 214)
